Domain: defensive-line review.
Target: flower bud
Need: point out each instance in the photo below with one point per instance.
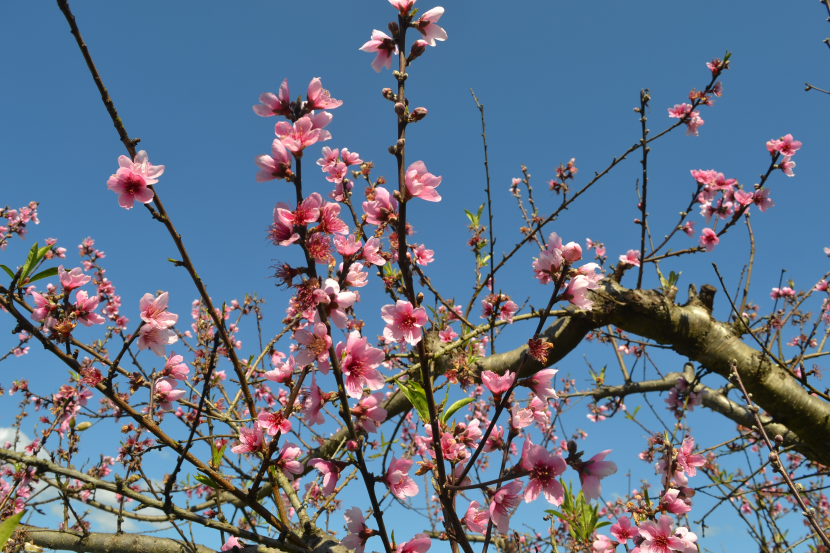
(572, 252)
(351, 445)
(418, 114)
(393, 28)
(418, 48)
(389, 95)
(400, 109)
(83, 426)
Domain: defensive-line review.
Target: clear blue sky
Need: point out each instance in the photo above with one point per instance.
(558, 80)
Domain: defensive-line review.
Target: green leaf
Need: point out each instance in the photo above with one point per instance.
(207, 481)
(30, 261)
(471, 217)
(674, 277)
(218, 454)
(452, 409)
(8, 526)
(602, 524)
(50, 272)
(8, 271)
(416, 396)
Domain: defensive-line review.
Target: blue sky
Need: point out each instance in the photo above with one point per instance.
(558, 81)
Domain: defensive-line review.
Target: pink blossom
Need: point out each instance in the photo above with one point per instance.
(686, 460)
(381, 209)
(350, 158)
(72, 279)
(165, 393)
(308, 211)
(85, 307)
(335, 302)
(370, 251)
(603, 544)
(330, 471)
(319, 248)
(427, 27)
(577, 291)
(132, 179)
(709, 239)
(785, 292)
(397, 478)
(315, 345)
(175, 367)
(368, 412)
(312, 404)
(250, 440)
(688, 538)
(298, 136)
(287, 460)
(497, 384)
(495, 440)
(275, 166)
(787, 166)
(447, 335)
(282, 370)
(43, 307)
(359, 362)
(694, 121)
(156, 338)
(545, 467)
(385, 48)
(358, 531)
(346, 245)
(658, 536)
(506, 499)
(520, 418)
(275, 105)
(743, 197)
(547, 265)
(623, 531)
(762, 200)
(423, 255)
(632, 257)
(507, 310)
(404, 322)
(674, 504)
(592, 471)
(273, 423)
(356, 276)
(420, 543)
(477, 518)
(233, 541)
(420, 183)
(330, 221)
(786, 146)
(542, 385)
(679, 111)
(320, 98)
(402, 6)
(154, 311)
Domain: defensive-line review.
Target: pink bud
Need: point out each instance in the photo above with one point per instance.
(351, 445)
(572, 252)
(418, 114)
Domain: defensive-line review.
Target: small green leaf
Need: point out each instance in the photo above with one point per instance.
(50, 272)
(207, 481)
(8, 271)
(415, 394)
(674, 277)
(8, 526)
(602, 524)
(452, 409)
(470, 216)
(218, 454)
